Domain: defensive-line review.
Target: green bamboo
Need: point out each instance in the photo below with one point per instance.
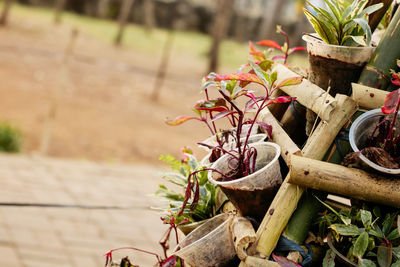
(377, 72)
(377, 16)
(301, 220)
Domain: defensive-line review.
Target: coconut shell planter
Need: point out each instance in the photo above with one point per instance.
(272, 202)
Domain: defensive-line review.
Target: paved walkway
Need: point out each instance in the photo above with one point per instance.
(41, 236)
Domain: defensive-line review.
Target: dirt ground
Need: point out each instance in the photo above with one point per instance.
(99, 95)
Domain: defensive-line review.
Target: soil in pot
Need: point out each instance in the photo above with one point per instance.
(253, 194)
(335, 66)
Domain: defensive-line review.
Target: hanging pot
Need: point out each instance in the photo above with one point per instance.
(252, 194)
(335, 66)
(361, 130)
(210, 244)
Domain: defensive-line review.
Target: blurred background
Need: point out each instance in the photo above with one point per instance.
(85, 88)
(95, 79)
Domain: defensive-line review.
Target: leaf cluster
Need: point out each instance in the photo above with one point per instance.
(342, 23)
(368, 237)
(178, 176)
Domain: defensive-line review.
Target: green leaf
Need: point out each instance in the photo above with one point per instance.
(366, 263)
(388, 223)
(329, 259)
(396, 253)
(317, 26)
(398, 223)
(346, 230)
(384, 256)
(345, 220)
(371, 9)
(393, 235)
(334, 8)
(361, 244)
(366, 218)
(367, 30)
(358, 39)
(396, 264)
(260, 73)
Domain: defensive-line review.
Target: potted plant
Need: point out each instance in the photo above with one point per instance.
(360, 236)
(341, 47)
(374, 137)
(235, 103)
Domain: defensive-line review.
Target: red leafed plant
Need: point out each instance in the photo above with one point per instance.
(234, 103)
(285, 49)
(387, 140)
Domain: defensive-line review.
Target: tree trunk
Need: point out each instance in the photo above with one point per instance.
(60, 5)
(148, 9)
(102, 8)
(123, 18)
(377, 72)
(5, 12)
(272, 13)
(220, 29)
(162, 69)
(377, 16)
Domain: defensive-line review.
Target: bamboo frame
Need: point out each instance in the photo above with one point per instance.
(368, 97)
(308, 94)
(279, 136)
(341, 180)
(285, 202)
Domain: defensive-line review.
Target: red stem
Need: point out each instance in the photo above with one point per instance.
(389, 137)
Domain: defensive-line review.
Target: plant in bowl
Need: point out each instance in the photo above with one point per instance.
(360, 236)
(181, 170)
(234, 104)
(374, 137)
(341, 47)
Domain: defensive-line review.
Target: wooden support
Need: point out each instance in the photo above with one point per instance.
(279, 135)
(243, 235)
(307, 94)
(285, 202)
(368, 97)
(341, 180)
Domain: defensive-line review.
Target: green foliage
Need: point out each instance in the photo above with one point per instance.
(181, 170)
(10, 138)
(371, 238)
(342, 22)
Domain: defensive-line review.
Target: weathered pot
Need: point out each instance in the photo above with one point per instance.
(252, 194)
(340, 259)
(361, 130)
(335, 66)
(210, 244)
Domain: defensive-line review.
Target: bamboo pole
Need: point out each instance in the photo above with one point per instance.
(307, 93)
(377, 72)
(285, 202)
(59, 8)
(341, 180)
(243, 235)
(368, 97)
(279, 136)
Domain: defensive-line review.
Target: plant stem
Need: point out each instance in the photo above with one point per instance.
(389, 136)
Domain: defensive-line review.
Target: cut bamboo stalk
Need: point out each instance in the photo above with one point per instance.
(285, 202)
(341, 180)
(252, 261)
(243, 235)
(368, 97)
(307, 93)
(279, 136)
